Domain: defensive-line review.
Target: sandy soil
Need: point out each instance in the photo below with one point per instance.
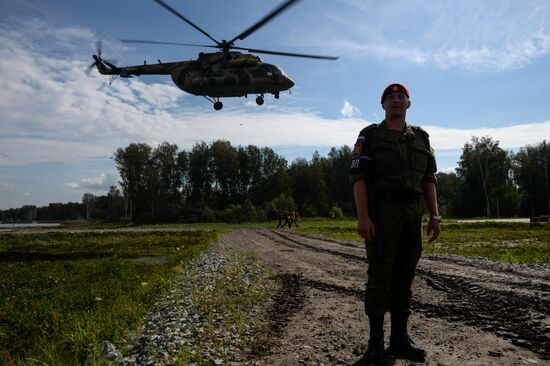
(466, 311)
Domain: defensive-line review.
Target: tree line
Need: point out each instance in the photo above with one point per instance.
(493, 182)
(222, 182)
(226, 183)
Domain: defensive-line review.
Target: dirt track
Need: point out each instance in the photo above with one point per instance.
(466, 311)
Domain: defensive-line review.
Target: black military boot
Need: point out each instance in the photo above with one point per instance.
(401, 345)
(375, 351)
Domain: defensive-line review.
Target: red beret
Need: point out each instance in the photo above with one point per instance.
(393, 88)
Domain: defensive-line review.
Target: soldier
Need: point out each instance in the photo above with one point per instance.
(280, 223)
(292, 218)
(392, 172)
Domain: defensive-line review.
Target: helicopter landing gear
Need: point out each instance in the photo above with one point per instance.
(216, 102)
(276, 95)
(260, 100)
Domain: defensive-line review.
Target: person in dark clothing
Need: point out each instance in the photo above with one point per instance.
(393, 175)
(292, 219)
(281, 217)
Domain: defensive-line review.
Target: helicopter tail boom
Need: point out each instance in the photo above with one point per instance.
(107, 68)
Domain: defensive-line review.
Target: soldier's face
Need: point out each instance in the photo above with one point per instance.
(396, 104)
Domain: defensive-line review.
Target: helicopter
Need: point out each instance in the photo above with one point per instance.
(226, 73)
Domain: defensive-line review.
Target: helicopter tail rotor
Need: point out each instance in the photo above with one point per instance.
(103, 66)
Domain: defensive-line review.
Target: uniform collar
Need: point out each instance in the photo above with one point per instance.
(407, 133)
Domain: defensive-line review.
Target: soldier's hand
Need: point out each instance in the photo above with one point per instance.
(434, 226)
(365, 228)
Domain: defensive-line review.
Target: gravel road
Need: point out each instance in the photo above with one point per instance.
(466, 311)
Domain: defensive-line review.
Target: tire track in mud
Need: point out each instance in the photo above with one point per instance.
(501, 268)
(531, 281)
(503, 313)
(500, 312)
(475, 263)
(288, 300)
(312, 247)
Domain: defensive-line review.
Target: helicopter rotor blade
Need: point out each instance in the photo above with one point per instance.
(262, 21)
(89, 69)
(165, 43)
(176, 13)
(99, 48)
(286, 53)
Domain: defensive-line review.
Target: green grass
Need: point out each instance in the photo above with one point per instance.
(501, 241)
(507, 242)
(63, 293)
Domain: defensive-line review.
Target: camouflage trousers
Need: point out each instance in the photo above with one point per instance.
(391, 270)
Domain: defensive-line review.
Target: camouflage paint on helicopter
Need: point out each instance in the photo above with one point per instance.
(232, 75)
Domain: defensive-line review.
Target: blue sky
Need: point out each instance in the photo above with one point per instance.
(473, 68)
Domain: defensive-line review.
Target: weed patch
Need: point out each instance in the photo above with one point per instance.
(64, 293)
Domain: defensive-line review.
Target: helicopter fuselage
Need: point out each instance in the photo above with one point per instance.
(215, 75)
(236, 75)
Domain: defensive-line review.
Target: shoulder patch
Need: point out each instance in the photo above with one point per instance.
(358, 146)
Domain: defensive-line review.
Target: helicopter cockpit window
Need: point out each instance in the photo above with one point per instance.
(269, 71)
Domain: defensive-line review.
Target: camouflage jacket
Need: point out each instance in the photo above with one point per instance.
(395, 160)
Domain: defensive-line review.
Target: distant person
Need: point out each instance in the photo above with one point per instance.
(281, 217)
(392, 172)
(292, 219)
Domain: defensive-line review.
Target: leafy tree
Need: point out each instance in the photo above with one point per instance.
(484, 173)
(88, 202)
(280, 205)
(114, 205)
(225, 169)
(447, 192)
(308, 184)
(134, 167)
(532, 174)
(200, 175)
(274, 176)
(165, 182)
(250, 173)
(340, 192)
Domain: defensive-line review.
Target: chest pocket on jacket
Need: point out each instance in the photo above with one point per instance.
(386, 157)
(419, 156)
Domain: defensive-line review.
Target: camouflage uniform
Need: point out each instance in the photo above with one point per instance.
(395, 164)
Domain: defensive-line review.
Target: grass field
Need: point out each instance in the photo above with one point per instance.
(509, 242)
(63, 293)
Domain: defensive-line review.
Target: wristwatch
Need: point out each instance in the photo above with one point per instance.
(436, 218)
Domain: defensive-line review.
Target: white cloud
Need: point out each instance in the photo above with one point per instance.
(349, 110)
(509, 137)
(101, 182)
(475, 35)
(27, 194)
(447, 170)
